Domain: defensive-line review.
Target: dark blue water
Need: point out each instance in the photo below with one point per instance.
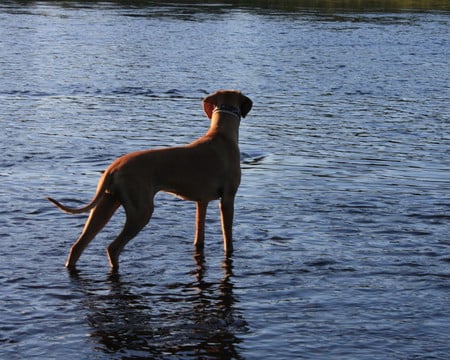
(342, 218)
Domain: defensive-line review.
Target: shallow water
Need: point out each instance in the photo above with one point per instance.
(342, 217)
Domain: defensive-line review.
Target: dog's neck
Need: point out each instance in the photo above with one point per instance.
(225, 121)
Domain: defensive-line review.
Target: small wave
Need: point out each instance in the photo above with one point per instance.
(321, 262)
(252, 159)
(430, 216)
(125, 90)
(26, 93)
(133, 90)
(171, 93)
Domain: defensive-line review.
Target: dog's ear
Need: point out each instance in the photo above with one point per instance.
(209, 103)
(246, 105)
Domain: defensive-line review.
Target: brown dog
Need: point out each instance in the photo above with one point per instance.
(205, 170)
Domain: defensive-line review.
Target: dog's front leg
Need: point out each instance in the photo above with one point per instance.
(200, 218)
(227, 212)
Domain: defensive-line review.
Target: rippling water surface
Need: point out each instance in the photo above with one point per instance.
(342, 219)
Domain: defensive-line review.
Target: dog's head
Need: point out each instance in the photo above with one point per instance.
(229, 98)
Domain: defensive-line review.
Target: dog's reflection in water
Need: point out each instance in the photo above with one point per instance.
(150, 321)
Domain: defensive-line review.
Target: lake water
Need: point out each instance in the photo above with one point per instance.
(342, 245)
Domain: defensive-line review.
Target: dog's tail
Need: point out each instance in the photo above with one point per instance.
(101, 189)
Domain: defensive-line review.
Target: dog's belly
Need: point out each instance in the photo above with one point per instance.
(193, 195)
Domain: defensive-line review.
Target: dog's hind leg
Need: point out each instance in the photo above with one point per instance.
(200, 225)
(98, 218)
(138, 214)
(227, 212)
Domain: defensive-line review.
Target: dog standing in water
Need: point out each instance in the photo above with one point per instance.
(205, 170)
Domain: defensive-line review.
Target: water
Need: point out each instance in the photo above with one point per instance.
(342, 218)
